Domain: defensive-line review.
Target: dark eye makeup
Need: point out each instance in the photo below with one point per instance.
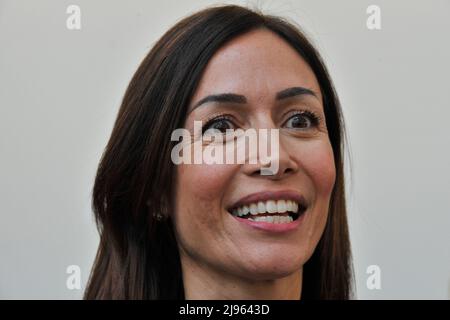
(302, 120)
(220, 122)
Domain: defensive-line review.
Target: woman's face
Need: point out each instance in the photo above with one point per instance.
(257, 65)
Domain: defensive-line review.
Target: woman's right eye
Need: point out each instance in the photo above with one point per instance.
(221, 124)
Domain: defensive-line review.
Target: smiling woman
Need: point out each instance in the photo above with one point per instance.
(224, 231)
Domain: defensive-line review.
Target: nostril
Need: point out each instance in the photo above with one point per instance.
(288, 170)
(268, 172)
(256, 173)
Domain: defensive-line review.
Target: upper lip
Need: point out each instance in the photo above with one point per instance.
(271, 195)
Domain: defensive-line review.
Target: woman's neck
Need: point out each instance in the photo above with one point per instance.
(201, 282)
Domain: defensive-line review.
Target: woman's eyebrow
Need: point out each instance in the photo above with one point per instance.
(293, 92)
(222, 97)
(238, 98)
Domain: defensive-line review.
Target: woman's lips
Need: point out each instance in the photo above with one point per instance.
(276, 211)
(270, 195)
(272, 227)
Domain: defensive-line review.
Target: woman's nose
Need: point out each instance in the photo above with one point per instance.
(276, 165)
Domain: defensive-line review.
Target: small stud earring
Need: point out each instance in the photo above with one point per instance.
(158, 216)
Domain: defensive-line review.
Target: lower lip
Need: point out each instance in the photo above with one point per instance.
(272, 227)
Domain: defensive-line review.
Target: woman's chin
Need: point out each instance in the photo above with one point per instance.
(271, 267)
(271, 274)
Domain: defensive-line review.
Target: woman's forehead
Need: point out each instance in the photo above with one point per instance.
(257, 64)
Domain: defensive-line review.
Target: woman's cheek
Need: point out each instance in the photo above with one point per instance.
(318, 160)
(200, 190)
(205, 182)
(320, 167)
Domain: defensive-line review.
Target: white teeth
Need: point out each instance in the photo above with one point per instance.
(254, 209)
(294, 206)
(281, 206)
(271, 206)
(261, 207)
(272, 219)
(289, 205)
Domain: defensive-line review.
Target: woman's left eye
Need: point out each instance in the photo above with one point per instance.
(222, 124)
(302, 120)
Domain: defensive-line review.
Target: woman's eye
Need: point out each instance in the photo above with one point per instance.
(218, 124)
(302, 121)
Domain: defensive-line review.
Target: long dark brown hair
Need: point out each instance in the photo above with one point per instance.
(138, 256)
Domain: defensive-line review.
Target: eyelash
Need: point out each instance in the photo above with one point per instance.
(314, 118)
(214, 119)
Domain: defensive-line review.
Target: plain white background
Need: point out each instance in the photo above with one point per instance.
(60, 91)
